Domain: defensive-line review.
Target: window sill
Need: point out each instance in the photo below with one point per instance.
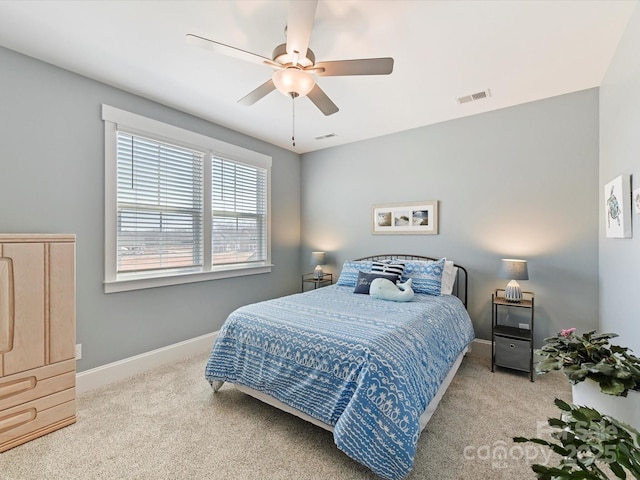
(143, 282)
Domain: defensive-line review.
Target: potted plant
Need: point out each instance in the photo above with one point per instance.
(591, 355)
(593, 365)
(590, 444)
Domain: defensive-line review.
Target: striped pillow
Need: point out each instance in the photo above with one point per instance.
(388, 267)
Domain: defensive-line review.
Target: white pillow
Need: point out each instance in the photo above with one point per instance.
(448, 278)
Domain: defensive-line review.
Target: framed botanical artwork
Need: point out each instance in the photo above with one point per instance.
(405, 218)
(617, 208)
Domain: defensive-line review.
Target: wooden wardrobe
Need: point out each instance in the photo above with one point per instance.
(37, 336)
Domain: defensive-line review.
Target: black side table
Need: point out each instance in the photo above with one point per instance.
(511, 347)
(326, 279)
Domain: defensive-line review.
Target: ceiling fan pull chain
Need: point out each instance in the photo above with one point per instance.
(293, 126)
(133, 139)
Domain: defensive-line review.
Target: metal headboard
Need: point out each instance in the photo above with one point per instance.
(459, 287)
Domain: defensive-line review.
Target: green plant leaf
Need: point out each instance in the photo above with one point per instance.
(551, 473)
(612, 387)
(602, 336)
(557, 422)
(562, 405)
(577, 374)
(624, 460)
(548, 365)
(603, 368)
(580, 414)
(539, 441)
(618, 470)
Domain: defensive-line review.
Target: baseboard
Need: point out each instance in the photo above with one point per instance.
(122, 369)
(480, 348)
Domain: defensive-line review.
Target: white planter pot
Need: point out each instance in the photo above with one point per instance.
(624, 409)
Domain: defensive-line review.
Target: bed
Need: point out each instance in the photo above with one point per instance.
(369, 370)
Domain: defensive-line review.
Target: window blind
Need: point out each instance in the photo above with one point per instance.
(159, 205)
(239, 213)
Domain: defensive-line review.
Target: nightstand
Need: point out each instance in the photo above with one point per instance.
(512, 347)
(326, 279)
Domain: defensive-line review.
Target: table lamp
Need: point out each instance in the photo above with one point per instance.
(318, 259)
(513, 270)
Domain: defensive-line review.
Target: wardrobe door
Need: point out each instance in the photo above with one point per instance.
(62, 305)
(6, 306)
(28, 350)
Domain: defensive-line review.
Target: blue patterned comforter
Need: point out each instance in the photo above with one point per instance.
(367, 367)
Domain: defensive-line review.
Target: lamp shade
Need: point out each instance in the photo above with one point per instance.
(318, 258)
(293, 80)
(513, 269)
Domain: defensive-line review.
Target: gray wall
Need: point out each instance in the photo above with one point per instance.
(52, 181)
(620, 154)
(519, 182)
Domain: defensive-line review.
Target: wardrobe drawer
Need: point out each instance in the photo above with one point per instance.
(36, 418)
(26, 386)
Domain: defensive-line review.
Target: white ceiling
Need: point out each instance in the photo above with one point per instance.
(521, 50)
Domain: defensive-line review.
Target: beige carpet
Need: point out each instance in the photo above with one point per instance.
(167, 424)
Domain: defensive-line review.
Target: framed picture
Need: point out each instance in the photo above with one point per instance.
(405, 218)
(636, 200)
(617, 207)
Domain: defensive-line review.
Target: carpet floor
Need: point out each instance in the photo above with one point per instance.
(167, 424)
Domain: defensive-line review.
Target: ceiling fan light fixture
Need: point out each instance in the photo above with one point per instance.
(293, 80)
(281, 56)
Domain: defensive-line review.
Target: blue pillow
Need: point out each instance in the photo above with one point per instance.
(350, 270)
(426, 275)
(365, 279)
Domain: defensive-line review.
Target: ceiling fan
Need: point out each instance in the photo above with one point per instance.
(294, 62)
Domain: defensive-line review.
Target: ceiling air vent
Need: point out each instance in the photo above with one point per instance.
(474, 96)
(324, 137)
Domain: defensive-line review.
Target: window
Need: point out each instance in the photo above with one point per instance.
(179, 206)
(239, 213)
(160, 205)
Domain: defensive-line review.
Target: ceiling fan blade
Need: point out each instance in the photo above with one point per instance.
(263, 90)
(229, 51)
(320, 100)
(362, 66)
(299, 25)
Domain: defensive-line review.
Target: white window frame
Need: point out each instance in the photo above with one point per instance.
(114, 119)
